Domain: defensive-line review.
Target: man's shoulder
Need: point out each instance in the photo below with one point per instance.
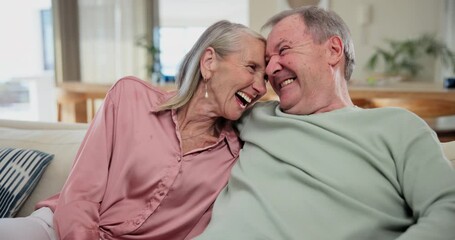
(392, 112)
(393, 117)
(258, 110)
(265, 105)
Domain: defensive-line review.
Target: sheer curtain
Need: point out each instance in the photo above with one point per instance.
(108, 31)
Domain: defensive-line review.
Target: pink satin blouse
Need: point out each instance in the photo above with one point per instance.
(130, 178)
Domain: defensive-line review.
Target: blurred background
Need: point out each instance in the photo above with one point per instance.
(50, 49)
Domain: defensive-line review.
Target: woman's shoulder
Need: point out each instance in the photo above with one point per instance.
(132, 86)
(134, 83)
(134, 91)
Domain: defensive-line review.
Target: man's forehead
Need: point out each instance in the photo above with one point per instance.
(274, 43)
(284, 29)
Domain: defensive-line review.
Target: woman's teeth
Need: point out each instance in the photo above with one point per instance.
(287, 82)
(245, 99)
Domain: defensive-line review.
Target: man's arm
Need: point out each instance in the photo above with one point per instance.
(428, 184)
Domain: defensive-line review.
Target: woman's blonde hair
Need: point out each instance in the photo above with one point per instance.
(225, 38)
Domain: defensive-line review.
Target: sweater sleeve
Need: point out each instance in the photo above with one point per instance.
(428, 185)
(77, 212)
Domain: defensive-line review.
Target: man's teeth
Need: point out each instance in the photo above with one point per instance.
(287, 82)
(244, 96)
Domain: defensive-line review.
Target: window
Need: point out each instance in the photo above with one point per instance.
(26, 83)
(175, 42)
(181, 25)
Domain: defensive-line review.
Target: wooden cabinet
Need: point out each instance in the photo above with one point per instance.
(436, 105)
(430, 101)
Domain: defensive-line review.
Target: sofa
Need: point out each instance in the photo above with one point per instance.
(60, 139)
(63, 140)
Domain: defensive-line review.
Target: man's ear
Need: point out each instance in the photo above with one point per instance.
(335, 49)
(207, 62)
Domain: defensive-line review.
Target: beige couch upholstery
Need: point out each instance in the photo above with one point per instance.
(60, 139)
(63, 141)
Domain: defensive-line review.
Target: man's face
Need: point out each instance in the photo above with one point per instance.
(298, 68)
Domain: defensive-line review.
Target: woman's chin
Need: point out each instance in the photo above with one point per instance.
(235, 115)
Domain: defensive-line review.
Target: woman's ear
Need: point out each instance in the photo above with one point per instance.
(335, 50)
(207, 62)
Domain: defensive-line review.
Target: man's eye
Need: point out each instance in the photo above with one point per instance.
(283, 50)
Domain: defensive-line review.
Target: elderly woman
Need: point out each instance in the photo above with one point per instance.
(152, 162)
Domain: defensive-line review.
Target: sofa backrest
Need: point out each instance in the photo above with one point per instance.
(63, 140)
(60, 139)
(449, 151)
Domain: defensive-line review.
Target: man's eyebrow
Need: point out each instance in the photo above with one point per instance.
(276, 47)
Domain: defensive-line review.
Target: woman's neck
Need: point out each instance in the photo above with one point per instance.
(197, 130)
(196, 119)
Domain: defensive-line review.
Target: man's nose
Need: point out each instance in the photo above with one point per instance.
(273, 66)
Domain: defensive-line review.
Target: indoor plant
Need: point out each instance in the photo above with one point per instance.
(403, 57)
(153, 66)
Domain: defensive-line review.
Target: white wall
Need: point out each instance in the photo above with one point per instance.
(261, 10)
(390, 19)
(449, 26)
(202, 13)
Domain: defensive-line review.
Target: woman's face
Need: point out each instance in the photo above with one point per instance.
(238, 79)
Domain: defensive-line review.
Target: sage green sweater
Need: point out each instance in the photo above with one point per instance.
(343, 175)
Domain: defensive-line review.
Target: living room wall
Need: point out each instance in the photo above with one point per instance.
(391, 19)
(371, 22)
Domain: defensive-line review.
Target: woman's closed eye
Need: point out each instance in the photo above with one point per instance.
(251, 68)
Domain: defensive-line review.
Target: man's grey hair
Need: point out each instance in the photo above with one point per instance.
(223, 36)
(322, 25)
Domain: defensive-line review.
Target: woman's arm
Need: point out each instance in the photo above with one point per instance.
(77, 212)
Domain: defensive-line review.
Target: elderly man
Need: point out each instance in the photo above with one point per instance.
(314, 166)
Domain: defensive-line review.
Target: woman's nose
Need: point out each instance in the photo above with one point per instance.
(259, 85)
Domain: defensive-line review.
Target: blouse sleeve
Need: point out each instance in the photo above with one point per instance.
(77, 212)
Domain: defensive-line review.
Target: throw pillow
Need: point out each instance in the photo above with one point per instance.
(20, 171)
